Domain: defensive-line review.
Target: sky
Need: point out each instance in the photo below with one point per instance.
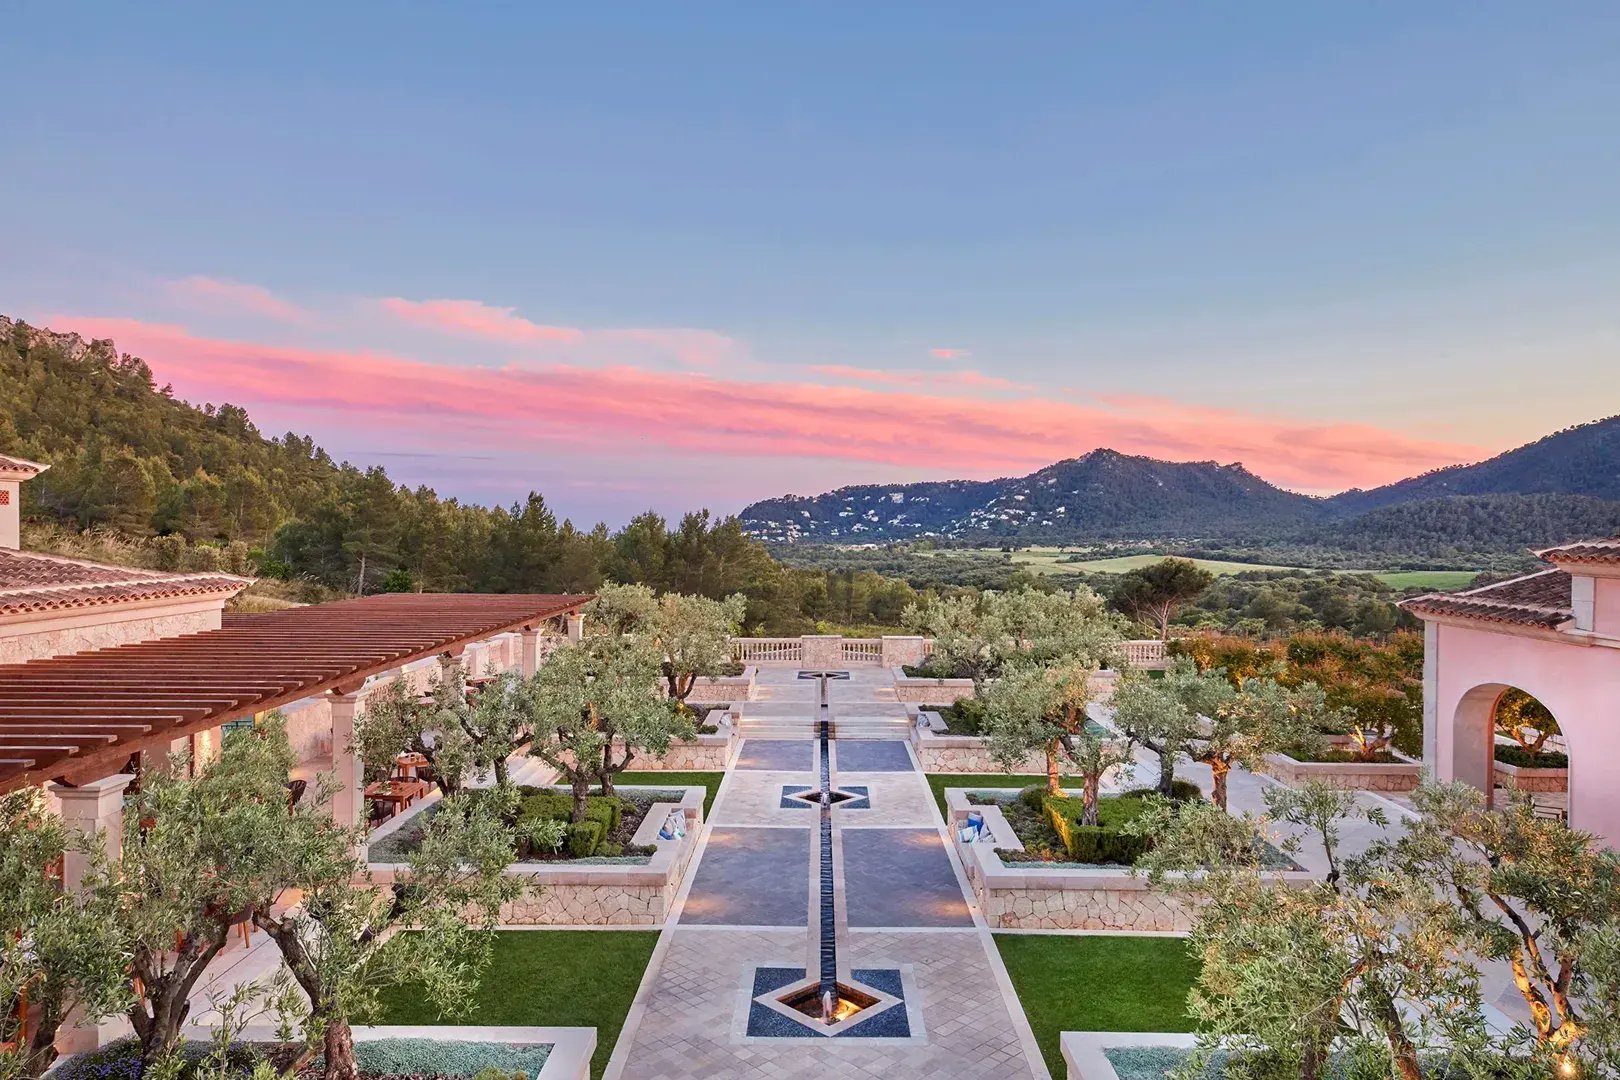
(682, 255)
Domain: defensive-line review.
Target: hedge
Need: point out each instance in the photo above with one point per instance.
(1103, 842)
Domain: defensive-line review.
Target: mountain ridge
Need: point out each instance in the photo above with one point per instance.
(1109, 495)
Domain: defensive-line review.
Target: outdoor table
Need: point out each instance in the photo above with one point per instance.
(408, 763)
(399, 793)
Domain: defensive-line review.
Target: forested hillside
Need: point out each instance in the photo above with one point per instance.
(169, 481)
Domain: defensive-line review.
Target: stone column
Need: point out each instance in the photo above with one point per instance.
(96, 810)
(821, 651)
(901, 650)
(348, 804)
(529, 652)
(576, 625)
(1431, 698)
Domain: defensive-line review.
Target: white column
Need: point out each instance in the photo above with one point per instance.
(95, 810)
(348, 804)
(529, 652)
(1431, 698)
(576, 625)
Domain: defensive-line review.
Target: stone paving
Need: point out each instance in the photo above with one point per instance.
(900, 906)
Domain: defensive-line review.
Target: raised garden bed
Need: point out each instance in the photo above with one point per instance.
(1519, 769)
(522, 1052)
(1339, 767)
(606, 836)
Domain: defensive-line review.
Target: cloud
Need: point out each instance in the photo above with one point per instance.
(219, 295)
(475, 319)
(949, 354)
(970, 379)
(615, 412)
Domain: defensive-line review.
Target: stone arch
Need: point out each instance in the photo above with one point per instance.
(1473, 733)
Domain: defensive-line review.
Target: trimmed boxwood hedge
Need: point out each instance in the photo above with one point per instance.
(1103, 842)
(1520, 758)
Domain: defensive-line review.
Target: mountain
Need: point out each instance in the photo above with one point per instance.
(1582, 460)
(1565, 485)
(1102, 495)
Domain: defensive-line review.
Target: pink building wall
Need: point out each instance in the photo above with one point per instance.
(1468, 667)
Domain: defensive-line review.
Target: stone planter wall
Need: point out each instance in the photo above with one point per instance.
(1346, 775)
(725, 688)
(706, 753)
(602, 894)
(1540, 781)
(1054, 898)
(929, 691)
(939, 752)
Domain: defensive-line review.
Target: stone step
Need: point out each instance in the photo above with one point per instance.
(774, 728)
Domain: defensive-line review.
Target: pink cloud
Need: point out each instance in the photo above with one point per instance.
(652, 414)
(476, 319)
(949, 354)
(218, 294)
(473, 318)
(970, 379)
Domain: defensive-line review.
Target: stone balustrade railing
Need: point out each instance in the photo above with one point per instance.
(1151, 653)
(833, 650)
(769, 650)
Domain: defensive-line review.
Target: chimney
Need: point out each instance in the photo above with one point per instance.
(13, 473)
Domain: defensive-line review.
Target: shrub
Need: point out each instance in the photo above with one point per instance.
(609, 849)
(964, 717)
(1180, 791)
(1103, 842)
(545, 834)
(584, 837)
(1520, 758)
(1033, 797)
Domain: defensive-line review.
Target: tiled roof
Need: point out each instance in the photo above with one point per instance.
(1541, 599)
(31, 582)
(81, 716)
(1584, 551)
(20, 465)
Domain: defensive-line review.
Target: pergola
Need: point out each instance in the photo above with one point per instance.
(78, 718)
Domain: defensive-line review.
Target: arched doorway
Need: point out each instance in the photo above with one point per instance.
(1504, 737)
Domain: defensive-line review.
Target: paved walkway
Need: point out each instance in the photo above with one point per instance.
(900, 903)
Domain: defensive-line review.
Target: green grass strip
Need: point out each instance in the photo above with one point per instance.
(1098, 982)
(547, 978)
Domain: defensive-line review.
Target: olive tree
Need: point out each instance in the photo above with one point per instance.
(175, 890)
(1365, 961)
(55, 951)
(980, 636)
(461, 731)
(1527, 891)
(694, 635)
(1043, 710)
(342, 942)
(588, 695)
(1165, 715)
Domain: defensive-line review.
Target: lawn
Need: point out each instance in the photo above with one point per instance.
(1098, 982)
(710, 781)
(548, 978)
(1427, 579)
(1048, 559)
(938, 782)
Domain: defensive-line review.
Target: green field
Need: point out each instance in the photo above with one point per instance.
(1047, 558)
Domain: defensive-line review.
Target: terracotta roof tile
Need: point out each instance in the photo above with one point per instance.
(1541, 599)
(21, 465)
(1584, 551)
(87, 712)
(31, 582)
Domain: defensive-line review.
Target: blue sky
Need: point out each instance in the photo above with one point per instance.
(1341, 245)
